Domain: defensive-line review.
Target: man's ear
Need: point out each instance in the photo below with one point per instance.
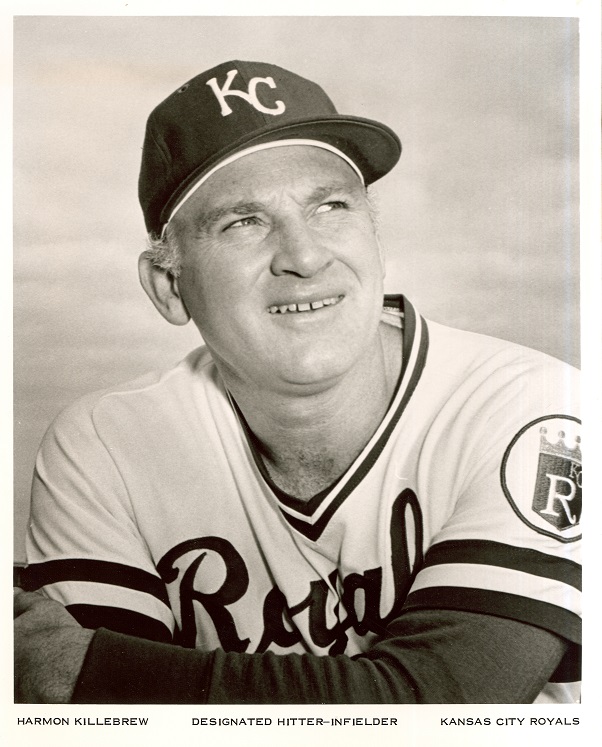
(162, 289)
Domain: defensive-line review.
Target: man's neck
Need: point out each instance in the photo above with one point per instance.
(306, 443)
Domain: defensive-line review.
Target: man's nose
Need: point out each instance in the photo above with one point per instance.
(299, 250)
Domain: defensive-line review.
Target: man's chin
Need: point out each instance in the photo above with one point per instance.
(314, 373)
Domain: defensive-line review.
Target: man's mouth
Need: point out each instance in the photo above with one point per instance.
(296, 308)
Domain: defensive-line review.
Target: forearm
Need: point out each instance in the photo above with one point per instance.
(116, 671)
(50, 648)
(430, 657)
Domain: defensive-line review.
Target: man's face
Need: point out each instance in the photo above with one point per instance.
(281, 269)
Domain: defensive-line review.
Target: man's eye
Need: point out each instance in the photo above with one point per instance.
(327, 207)
(250, 221)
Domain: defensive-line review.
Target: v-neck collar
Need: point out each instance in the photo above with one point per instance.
(311, 517)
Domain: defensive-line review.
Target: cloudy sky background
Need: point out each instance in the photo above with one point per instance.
(479, 219)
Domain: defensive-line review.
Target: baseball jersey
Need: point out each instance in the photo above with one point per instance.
(152, 512)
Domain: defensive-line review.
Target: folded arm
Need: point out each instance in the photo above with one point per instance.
(428, 656)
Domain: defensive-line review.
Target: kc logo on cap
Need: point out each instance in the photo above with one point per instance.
(250, 96)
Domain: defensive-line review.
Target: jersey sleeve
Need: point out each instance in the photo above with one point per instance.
(511, 546)
(83, 546)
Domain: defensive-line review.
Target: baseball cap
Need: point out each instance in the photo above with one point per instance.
(235, 106)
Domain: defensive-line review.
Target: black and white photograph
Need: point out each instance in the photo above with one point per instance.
(296, 352)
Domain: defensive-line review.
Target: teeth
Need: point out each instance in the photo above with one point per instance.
(294, 307)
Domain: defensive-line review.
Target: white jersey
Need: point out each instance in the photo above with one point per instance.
(151, 505)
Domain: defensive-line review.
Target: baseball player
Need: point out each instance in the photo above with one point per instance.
(333, 499)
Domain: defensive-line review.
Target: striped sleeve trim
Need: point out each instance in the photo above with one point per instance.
(503, 580)
(495, 578)
(119, 620)
(98, 571)
(104, 595)
(536, 612)
(487, 552)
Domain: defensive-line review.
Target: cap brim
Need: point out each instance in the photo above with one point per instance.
(372, 146)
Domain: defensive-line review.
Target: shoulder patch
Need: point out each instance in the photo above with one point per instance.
(541, 476)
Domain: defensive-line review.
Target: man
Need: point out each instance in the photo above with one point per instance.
(333, 500)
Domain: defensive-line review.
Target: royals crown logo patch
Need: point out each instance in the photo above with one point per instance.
(542, 474)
